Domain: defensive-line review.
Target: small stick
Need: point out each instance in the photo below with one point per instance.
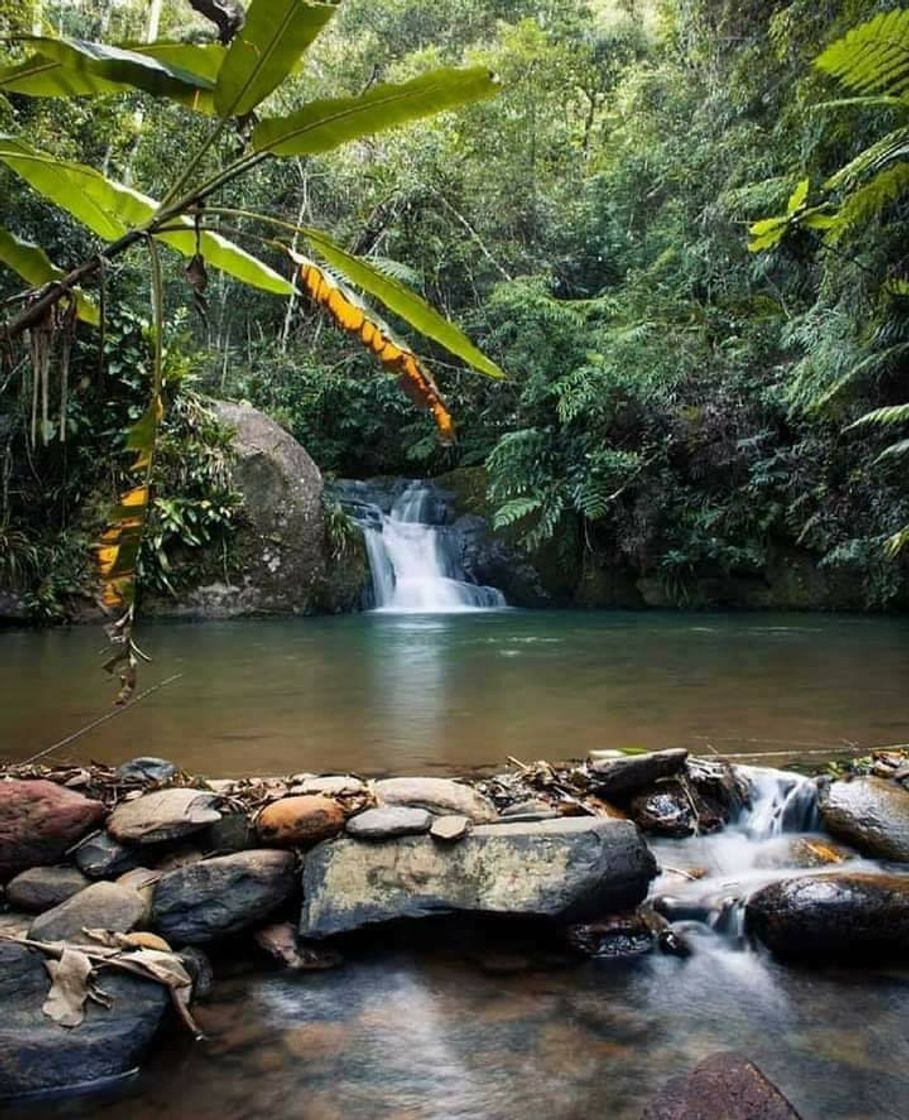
(101, 719)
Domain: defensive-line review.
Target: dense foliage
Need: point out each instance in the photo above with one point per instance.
(677, 405)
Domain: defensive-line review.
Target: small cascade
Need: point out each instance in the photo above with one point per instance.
(780, 802)
(414, 562)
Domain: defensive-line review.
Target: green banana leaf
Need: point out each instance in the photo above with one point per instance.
(264, 52)
(323, 125)
(33, 264)
(398, 298)
(111, 209)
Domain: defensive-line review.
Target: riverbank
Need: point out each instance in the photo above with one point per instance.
(537, 867)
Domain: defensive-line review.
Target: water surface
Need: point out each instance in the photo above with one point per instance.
(411, 693)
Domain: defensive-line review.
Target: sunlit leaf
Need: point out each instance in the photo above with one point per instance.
(33, 264)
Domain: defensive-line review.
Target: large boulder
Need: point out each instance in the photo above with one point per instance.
(37, 1054)
(39, 820)
(572, 868)
(41, 888)
(840, 916)
(222, 896)
(437, 795)
(168, 814)
(871, 814)
(107, 906)
(723, 1087)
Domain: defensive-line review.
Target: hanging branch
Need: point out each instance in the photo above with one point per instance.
(228, 16)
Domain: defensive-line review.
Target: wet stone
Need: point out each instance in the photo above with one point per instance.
(872, 814)
(389, 822)
(621, 777)
(724, 1086)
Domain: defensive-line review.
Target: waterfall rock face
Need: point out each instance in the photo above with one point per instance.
(416, 554)
(569, 868)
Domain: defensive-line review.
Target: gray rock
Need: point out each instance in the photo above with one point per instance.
(102, 857)
(146, 769)
(221, 896)
(232, 833)
(723, 1087)
(41, 888)
(36, 1054)
(99, 906)
(332, 785)
(386, 823)
(856, 917)
(450, 828)
(437, 795)
(624, 776)
(168, 814)
(571, 867)
(871, 814)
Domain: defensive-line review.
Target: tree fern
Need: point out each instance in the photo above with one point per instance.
(868, 202)
(515, 510)
(873, 57)
(890, 148)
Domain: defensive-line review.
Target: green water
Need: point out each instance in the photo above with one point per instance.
(412, 693)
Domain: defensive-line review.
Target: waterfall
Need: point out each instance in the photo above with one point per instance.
(414, 562)
(781, 802)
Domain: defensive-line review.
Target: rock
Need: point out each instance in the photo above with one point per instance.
(705, 799)
(180, 856)
(841, 916)
(871, 814)
(619, 936)
(39, 821)
(99, 906)
(450, 828)
(724, 1086)
(102, 857)
(437, 795)
(197, 964)
(620, 777)
(232, 833)
(168, 814)
(666, 810)
(333, 785)
(801, 851)
(530, 809)
(41, 888)
(222, 896)
(147, 770)
(568, 868)
(36, 1054)
(388, 822)
(299, 820)
(281, 943)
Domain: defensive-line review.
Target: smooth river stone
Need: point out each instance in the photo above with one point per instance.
(572, 867)
(872, 814)
(41, 888)
(39, 821)
(854, 917)
(299, 820)
(222, 896)
(168, 814)
(389, 822)
(437, 795)
(99, 906)
(450, 828)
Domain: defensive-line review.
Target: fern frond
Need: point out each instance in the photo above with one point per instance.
(514, 510)
(867, 202)
(890, 148)
(873, 57)
(894, 451)
(397, 271)
(891, 414)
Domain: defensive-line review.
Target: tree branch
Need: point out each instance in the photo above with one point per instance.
(227, 14)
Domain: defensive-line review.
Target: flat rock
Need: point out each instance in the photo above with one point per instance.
(221, 896)
(36, 1054)
(306, 819)
(98, 906)
(624, 776)
(437, 795)
(388, 822)
(565, 868)
(102, 857)
(450, 828)
(723, 1087)
(146, 769)
(167, 814)
(41, 888)
(39, 821)
(853, 916)
(332, 785)
(871, 814)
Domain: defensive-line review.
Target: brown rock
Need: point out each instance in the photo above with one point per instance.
(724, 1086)
(870, 813)
(300, 820)
(438, 795)
(101, 906)
(39, 820)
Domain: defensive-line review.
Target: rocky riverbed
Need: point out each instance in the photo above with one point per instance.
(119, 884)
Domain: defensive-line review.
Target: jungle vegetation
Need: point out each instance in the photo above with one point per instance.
(680, 229)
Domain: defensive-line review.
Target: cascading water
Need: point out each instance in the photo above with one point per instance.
(415, 563)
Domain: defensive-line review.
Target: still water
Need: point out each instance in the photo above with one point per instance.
(427, 693)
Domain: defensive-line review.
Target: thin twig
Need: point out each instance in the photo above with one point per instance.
(101, 719)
